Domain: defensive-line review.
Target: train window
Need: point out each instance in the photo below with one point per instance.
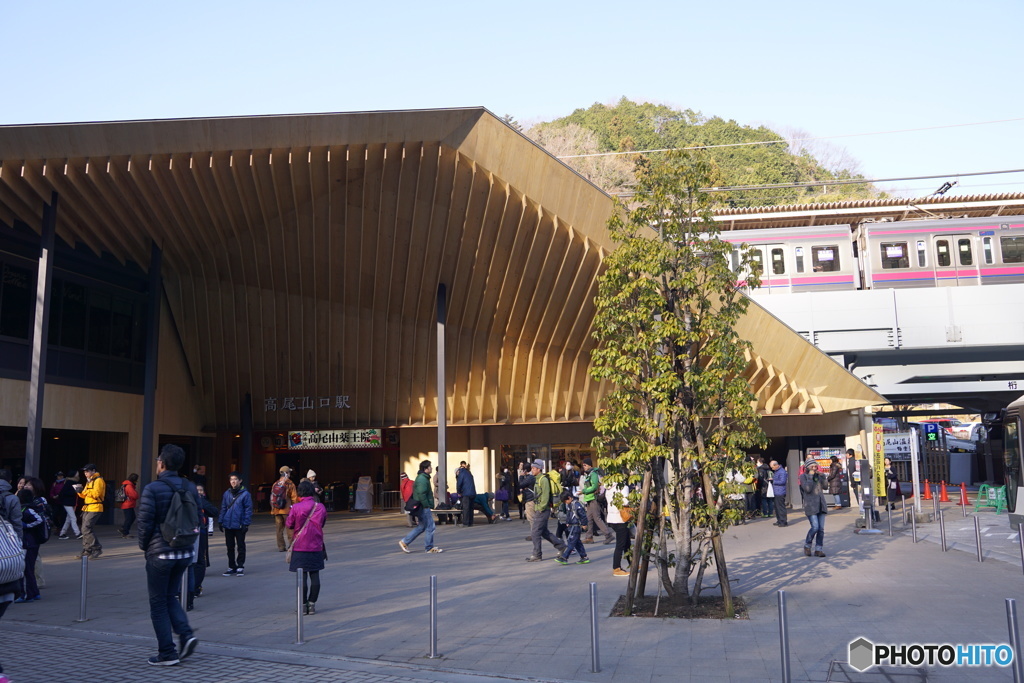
(825, 259)
(778, 262)
(799, 253)
(963, 246)
(757, 256)
(942, 257)
(895, 255)
(921, 251)
(1012, 248)
(986, 245)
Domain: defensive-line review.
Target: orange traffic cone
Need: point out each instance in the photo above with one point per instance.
(943, 494)
(927, 491)
(963, 495)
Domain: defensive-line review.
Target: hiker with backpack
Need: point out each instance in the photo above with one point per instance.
(168, 516)
(129, 496)
(592, 497)
(282, 497)
(234, 520)
(405, 486)
(544, 493)
(92, 494)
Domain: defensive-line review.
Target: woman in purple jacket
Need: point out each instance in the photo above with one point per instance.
(306, 518)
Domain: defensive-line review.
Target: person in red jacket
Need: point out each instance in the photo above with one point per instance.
(131, 497)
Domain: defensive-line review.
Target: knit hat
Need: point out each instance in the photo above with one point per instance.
(810, 461)
(285, 470)
(539, 464)
(403, 475)
(310, 474)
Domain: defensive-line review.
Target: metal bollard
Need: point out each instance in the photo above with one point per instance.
(595, 656)
(300, 606)
(85, 583)
(977, 538)
(434, 654)
(913, 523)
(888, 519)
(903, 502)
(1011, 623)
(942, 530)
(935, 501)
(183, 591)
(784, 637)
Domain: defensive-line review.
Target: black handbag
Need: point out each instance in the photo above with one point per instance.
(412, 505)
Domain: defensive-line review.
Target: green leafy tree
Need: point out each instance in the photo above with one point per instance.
(679, 407)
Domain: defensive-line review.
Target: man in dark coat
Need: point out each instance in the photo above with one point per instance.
(465, 486)
(166, 565)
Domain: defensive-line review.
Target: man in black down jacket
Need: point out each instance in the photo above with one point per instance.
(165, 565)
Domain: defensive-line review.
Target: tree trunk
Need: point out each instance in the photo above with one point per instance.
(716, 544)
(641, 524)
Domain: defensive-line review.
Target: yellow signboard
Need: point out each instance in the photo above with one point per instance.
(878, 461)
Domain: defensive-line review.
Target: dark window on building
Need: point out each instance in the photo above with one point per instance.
(72, 316)
(99, 323)
(16, 310)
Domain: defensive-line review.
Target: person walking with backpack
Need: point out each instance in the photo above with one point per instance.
(282, 497)
(543, 495)
(168, 506)
(129, 495)
(591, 483)
(92, 493)
(576, 521)
(423, 494)
(234, 520)
(64, 494)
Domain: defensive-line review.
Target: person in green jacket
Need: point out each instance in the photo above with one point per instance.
(423, 494)
(543, 497)
(591, 483)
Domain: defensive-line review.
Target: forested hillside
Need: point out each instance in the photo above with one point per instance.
(630, 126)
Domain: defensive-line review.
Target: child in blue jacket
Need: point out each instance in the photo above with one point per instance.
(576, 520)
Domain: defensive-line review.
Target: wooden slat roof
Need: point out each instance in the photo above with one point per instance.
(303, 254)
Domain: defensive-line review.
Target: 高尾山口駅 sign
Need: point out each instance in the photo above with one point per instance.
(335, 438)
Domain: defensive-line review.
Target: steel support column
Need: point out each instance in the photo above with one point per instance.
(442, 392)
(40, 334)
(155, 293)
(245, 457)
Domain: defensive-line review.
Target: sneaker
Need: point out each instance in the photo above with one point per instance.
(95, 553)
(240, 572)
(807, 550)
(188, 647)
(559, 560)
(534, 558)
(157, 660)
(620, 572)
(199, 591)
(64, 537)
(230, 572)
(588, 540)
(609, 539)
(435, 549)
(78, 537)
(819, 553)
(585, 560)
(404, 547)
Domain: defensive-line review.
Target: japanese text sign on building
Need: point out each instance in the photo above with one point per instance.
(334, 439)
(304, 403)
(897, 446)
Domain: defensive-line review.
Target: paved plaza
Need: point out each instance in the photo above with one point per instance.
(501, 618)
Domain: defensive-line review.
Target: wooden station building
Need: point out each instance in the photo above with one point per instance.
(300, 289)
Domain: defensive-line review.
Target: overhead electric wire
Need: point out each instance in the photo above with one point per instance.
(786, 142)
(864, 181)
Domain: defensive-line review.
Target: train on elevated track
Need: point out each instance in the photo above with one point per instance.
(886, 255)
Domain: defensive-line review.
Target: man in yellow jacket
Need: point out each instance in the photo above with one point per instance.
(92, 493)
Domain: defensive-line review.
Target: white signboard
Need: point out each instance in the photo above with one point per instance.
(897, 446)
(334, 439)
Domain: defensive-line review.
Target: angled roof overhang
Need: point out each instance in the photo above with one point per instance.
(303, 254)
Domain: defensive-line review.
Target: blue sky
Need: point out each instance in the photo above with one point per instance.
(825, 68)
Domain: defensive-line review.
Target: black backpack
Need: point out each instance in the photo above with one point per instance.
(181, 524)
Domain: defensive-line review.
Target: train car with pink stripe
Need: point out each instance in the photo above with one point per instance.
(889, 255)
